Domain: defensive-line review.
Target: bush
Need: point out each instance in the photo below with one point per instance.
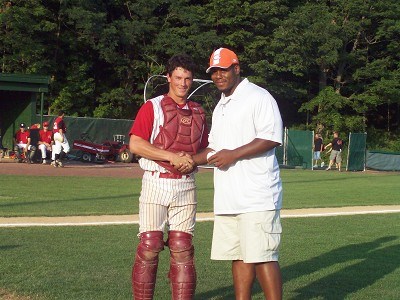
(383, 140)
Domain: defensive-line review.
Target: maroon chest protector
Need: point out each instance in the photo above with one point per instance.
(182, 129)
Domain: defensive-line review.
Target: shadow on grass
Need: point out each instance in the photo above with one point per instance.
(8, 247)
(225, 293)
(366, 263)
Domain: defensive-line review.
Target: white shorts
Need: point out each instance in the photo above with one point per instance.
(317, 155)
(252, 237)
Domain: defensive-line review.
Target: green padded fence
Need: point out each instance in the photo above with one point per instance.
(299, 150)
(383, 161)
(356, 152)
(97, 130)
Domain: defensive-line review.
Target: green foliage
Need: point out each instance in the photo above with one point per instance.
(336, 61)
(76, 96)
(112, 104)
(383, 140)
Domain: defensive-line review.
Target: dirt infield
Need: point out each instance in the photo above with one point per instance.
(72, 168)
(75, 168)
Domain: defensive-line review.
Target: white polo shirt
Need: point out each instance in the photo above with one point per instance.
(250, 184)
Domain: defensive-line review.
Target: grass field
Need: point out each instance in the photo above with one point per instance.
(61, 196)
(343, 257)
(352, 257)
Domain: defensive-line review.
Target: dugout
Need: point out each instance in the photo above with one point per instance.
(19, 94)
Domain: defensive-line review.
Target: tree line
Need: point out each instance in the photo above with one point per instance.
(331, 64)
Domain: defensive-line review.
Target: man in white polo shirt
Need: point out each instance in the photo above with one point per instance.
(246, 128)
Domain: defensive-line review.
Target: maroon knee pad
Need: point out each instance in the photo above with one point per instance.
(182, 272)
(146, 262)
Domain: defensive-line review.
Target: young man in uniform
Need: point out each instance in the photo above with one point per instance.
(61, 145)
(45, 141)
(23, 143)
(166, 131)
(246, 128)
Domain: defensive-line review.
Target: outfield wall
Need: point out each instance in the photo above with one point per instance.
(383, 161)
(97, 129)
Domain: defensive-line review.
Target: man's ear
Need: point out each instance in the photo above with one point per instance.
(237, 69)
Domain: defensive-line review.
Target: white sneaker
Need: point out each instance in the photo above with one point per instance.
(44, 162)
(59, 163)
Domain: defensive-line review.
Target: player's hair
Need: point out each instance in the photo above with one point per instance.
(61, 112)
(180, 60)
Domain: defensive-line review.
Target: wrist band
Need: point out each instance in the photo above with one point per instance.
(209, 154)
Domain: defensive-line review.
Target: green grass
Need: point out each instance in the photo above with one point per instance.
(347, 257)
(60, 196)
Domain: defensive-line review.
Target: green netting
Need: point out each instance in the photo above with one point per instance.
(299, 150)
(356, 152)
(98, 130)
(279, 154)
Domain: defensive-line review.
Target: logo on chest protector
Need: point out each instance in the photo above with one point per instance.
(186, 120)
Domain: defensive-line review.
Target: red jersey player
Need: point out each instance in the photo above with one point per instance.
(23, 143)
(45, 137)
(61, 145)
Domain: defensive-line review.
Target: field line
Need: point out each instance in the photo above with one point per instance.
(201, 217)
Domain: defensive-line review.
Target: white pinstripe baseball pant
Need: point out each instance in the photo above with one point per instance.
(167, 202)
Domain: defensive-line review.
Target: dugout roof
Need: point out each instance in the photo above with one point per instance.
(18, 102)
(24, 83)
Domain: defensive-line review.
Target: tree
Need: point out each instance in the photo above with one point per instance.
(326, 44)
(335, 61)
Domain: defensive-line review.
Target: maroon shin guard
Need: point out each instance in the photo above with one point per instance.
(146, 262)
(182, 272)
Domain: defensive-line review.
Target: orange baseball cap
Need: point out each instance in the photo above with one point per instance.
(222, 58)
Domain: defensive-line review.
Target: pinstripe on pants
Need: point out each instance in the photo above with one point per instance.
(170, 202)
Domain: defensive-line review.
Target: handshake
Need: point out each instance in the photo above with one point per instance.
(183, 162)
